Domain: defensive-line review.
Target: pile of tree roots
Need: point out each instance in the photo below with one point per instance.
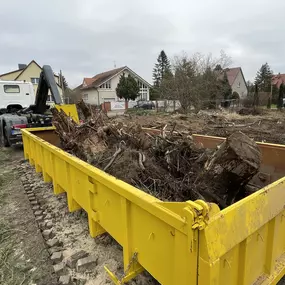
(164, 163)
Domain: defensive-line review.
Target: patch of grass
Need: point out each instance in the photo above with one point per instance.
(5, 179)
(10, 272)
(143, 112)
(4, 157)
(140, 112)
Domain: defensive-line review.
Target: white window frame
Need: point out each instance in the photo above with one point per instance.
(106, 85)
(35, 80)
(143, 91)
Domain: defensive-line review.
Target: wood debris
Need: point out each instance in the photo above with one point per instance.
(167, 165)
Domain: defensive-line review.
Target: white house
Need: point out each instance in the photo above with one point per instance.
(237, 81)
(102, 87)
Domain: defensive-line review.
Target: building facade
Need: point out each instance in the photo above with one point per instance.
(102, 87)
(29, 73)
(237, 81)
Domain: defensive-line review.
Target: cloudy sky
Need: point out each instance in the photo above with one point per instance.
(83, 38)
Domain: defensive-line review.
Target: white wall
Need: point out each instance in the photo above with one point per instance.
(92, 96)
(240, 89)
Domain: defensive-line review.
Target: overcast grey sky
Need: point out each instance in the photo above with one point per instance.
(85, 37)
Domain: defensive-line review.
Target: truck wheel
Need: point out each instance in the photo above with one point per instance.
(1, 141)
(6, 139)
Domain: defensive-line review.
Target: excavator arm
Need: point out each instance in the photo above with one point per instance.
(46, 83)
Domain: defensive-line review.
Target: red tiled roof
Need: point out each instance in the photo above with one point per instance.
(232, 74)
(100, 78)
(278, 79)
(88, 81)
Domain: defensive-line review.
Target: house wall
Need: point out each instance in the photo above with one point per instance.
(240, 89)
(34, 71)
(106, 95)
(10, 76)
(92, 97)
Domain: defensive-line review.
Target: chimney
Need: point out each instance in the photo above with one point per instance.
(22, 65)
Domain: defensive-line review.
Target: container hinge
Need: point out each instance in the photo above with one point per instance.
(132, 270)
(200, 210)
(196, 217)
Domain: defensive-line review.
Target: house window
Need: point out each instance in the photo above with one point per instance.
(143, 91)
(85, 97)
(106, 85)
(238, 85)
(35, 80)
(12, 88)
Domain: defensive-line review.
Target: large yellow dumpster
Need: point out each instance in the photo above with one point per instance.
(178, 243)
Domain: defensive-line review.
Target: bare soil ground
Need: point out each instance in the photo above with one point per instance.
(266, 127)
(24, 258)
(24, 255)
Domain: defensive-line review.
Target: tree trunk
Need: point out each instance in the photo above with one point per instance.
(230, 168)
(85, 110)
(269, 102)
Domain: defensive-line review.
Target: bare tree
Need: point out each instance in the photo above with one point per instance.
(195, 81)
(72, 96)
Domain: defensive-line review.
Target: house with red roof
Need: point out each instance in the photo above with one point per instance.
(278, 80)
(237, 81)
(102, 87)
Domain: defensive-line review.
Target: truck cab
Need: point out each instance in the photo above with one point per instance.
(21, 108)
(15, 95)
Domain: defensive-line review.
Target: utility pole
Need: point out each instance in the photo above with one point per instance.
(61, 84)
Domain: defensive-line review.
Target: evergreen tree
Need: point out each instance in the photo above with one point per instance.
(218, 67)
(250, 86)
(226, 90)
(127, 88)
(256, 96)
(161, 69)
(154, 93)
(64, 82)
(280, 97)
(263, 78)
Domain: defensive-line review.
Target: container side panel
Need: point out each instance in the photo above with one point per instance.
(139, 222)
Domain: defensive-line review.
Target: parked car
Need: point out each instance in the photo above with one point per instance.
(145, 105)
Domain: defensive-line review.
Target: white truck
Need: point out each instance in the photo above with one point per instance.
(15, 95)
(20, 108)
